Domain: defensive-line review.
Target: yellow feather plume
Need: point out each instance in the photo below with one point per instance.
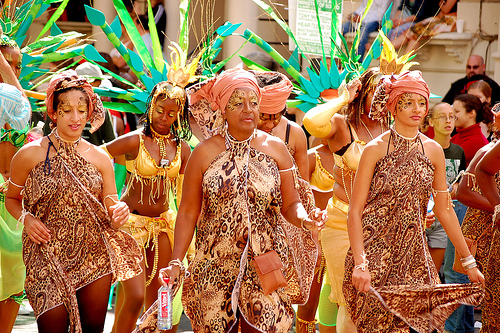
(389, 61)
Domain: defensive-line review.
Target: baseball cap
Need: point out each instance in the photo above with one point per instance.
(91, 72)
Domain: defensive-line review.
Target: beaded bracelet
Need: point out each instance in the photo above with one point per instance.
(468, 262)
(21, 218)
(364, 265)
(110, 196)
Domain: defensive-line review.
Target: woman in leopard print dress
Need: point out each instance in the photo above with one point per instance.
(239, 185)
(487, 178)
(62, 188)
(390, 282)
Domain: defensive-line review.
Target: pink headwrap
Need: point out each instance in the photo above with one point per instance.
(70, 79)
(220, 90)
(391, 87)
(274, 96)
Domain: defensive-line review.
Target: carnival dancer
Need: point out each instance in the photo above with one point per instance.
(487, 177)
(389, 255)
(14, 116)
(321, 164)
(346, 136)
(156, 157)
(276, 89)
(63, 192)
(240, 182)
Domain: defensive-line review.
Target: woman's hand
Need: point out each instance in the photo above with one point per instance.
(361, 279)
(172, 272)
(475, 275)
(36, 230)
(119, 214)
(316, 220)
(353, 87)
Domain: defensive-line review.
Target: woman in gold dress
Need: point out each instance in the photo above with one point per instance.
(346, 136)
(156, 156)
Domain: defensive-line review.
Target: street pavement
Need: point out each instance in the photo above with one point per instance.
(26, 323)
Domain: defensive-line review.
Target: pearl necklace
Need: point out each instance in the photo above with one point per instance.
(58, 137)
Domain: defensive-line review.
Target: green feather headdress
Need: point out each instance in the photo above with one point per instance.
(308, 90)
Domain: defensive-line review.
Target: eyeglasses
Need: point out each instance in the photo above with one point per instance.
(445, 118)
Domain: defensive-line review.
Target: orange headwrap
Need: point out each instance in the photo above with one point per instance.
(70, 79)
(274, 96)
(220, 90)
(391, 87)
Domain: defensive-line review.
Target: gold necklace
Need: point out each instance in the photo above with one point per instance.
(161, 140)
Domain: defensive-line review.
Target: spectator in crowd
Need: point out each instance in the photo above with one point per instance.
(370, 23)
(482, 90)
(409, 12)
(442, 19)
(475, 70)
(470, 112)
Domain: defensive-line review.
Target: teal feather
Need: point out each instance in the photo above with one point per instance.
(91, 53)
(53, 48)
(135, 60)
(307, 99)
(95, 16)
(334, 77)
(294, 59)
(324, 75)
(304, 107)
(54, 30)
(309, 87)
(315, 79)
(116, 26)
(156, 75)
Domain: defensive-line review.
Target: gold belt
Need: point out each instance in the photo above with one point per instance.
(144, 228)
(336, 202)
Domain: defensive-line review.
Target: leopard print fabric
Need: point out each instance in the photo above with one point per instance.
(476, 222)
(65, 193)
(491, 304)
(378, 108)
(393, 230)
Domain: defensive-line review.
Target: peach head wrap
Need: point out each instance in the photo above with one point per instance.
(274, 96)
(70, 79)
(219, 91)
(391, 87)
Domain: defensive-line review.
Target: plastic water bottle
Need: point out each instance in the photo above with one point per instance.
(430, 205)
(165, 307)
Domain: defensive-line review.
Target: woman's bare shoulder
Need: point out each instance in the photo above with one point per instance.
(30, 155)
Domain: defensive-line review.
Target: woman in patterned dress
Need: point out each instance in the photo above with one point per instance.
(486, 172)
(239, 182)
(62, 188)
(389, 256)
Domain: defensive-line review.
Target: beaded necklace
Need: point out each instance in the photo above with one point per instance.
(161, 140)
